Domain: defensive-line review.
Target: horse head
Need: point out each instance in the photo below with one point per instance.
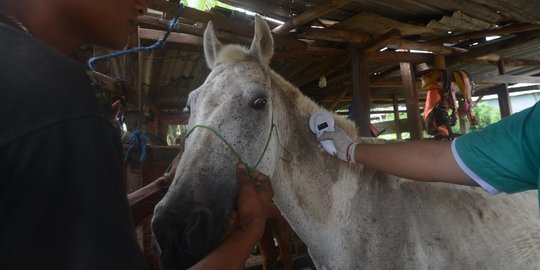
(231, 119)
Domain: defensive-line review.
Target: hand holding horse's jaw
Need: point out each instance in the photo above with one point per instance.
(253, 203)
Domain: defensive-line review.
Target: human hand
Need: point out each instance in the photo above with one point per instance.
(246, 225)
(345, 146)
(252, 205)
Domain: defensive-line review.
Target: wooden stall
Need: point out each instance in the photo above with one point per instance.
(341, 53)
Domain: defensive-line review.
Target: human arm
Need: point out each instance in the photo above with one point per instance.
(248, 224)
(423, 160)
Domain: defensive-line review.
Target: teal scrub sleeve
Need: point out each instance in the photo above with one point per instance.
(505, 156)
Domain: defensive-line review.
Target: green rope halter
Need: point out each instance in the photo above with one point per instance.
(250, 169)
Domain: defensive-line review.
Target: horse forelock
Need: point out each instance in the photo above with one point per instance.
(232, 54)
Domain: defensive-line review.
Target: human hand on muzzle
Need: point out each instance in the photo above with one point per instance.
(253, 204)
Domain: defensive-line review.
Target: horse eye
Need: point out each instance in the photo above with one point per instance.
(259, 103)
(187, 110)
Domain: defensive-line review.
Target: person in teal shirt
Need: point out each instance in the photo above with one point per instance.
(503, 157)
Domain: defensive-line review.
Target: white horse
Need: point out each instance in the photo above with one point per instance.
(349, 216)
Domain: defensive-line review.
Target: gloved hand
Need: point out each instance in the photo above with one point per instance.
(345, 146)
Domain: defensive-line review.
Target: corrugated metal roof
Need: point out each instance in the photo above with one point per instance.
(168, 76)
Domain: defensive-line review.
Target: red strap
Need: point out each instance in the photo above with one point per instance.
(347, 155)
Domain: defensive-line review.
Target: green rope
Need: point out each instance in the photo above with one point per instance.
(250, 169)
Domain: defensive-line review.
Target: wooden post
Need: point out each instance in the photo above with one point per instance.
(133, 169)
(396, 116)
(462, 125)
(133, 83)
(440, 61)
(504, 98)
(414, 118)
(163, 129)
(361, 94)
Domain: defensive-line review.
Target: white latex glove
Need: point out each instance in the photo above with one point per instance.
(345, 146)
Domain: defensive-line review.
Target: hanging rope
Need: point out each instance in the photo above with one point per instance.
(158, 44)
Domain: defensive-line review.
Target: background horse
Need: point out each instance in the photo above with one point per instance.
(349, 216)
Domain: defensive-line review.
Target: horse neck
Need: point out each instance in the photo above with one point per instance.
(313, 186)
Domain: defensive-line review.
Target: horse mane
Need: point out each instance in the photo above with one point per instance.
(308, 106)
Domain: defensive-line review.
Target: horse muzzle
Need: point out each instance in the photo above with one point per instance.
(184, 238)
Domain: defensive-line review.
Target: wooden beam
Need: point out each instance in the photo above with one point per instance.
(272, 9)
(281, 42)
(335, 35)
(505, 105)
(411, 101)
(359, 38)
(517, 28)
(180, 38)
(507, 62)
(489, 57)
(194, 43)
(490, 48)
(153, 23)
(220, 22)
(381, 41)
(380, 84)
(495, 89)
(435, 48)
(498, 79)
(519, 62)
(310, 15)
(397, 57)
(374, 24)
(360, 76)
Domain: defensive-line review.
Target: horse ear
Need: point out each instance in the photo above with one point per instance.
(262, 46)
(211, 45)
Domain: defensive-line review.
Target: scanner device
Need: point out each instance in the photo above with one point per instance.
(320, 122)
